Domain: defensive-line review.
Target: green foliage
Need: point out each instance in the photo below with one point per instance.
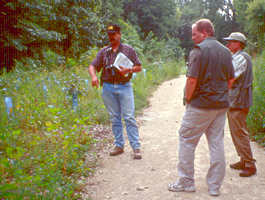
(250, 16)
(256, 117)
(256, 22)
(28, 27)
(240, 12)
(43, 144)
(154, 16)
(131, 37)
(157, 50)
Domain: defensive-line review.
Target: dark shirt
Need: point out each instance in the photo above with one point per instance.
(211, 63)
(106, 57)
(241, 92)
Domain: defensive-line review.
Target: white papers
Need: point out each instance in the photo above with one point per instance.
(122, 60)
(240, 64)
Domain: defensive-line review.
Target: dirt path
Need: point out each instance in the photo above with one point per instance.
(122, 178)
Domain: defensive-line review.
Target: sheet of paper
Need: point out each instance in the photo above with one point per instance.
(122, 60)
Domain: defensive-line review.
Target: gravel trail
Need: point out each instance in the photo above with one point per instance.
(122, 178)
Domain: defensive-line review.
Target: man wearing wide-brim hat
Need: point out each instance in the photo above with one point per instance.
(240, 101)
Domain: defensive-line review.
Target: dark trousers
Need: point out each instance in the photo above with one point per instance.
(240, 135)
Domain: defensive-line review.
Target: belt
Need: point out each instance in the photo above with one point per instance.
(116, 82)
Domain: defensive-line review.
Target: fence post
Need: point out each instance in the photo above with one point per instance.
(74, 92)
(45, 89)
(144, 70)
(9, 107)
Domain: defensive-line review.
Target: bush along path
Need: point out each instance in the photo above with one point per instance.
(122, 178)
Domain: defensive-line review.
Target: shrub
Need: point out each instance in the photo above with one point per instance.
(256, 117)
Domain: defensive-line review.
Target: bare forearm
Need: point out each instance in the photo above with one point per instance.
(190, 87)
(92, 71)
(94, 78)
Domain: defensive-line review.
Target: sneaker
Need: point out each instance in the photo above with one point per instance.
(215, 192)
(177, 187)
(137, 154)
(238, 165)
(116, 151)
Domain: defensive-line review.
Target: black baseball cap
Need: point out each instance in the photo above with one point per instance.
(113, 28)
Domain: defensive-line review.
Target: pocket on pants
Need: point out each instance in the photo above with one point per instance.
(186, 131)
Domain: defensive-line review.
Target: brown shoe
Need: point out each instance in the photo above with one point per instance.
(137, 154)
(238, 166)
(116, 151)
(248, 171)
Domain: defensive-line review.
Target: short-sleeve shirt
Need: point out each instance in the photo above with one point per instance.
(210, 63)
(241, 92)
(105, 59)
(194, 63)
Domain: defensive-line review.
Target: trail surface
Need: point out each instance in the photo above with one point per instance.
(122, 178)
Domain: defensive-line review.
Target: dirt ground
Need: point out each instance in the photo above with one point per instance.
(122, 178)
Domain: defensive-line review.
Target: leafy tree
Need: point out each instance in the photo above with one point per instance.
(154, 16)
(220, 12)
(10, 43)
(189, 12)
(256, 22)
(68, 27)
(240, 8)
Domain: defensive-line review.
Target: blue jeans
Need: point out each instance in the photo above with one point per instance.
(119, 101)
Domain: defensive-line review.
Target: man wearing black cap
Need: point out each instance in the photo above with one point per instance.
(241, 99)
(117, 92)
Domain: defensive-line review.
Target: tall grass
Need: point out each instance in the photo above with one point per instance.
(45, 137)
(256, 117)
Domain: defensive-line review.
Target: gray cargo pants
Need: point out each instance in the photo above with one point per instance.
(195, 122)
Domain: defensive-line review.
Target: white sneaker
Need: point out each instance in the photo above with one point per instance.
(177, 187)
(215, 192)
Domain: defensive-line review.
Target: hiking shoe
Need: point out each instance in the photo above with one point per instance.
(215, 192)
(238, 166)
(177, 187)
(116, 151)
(248, 171)
(137, 154)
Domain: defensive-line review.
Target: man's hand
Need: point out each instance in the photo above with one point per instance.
(123, 70)
(230, 82)
(190, 88)
(94, 78)
(95, 82)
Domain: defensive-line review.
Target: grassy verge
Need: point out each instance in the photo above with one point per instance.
(256, 117)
